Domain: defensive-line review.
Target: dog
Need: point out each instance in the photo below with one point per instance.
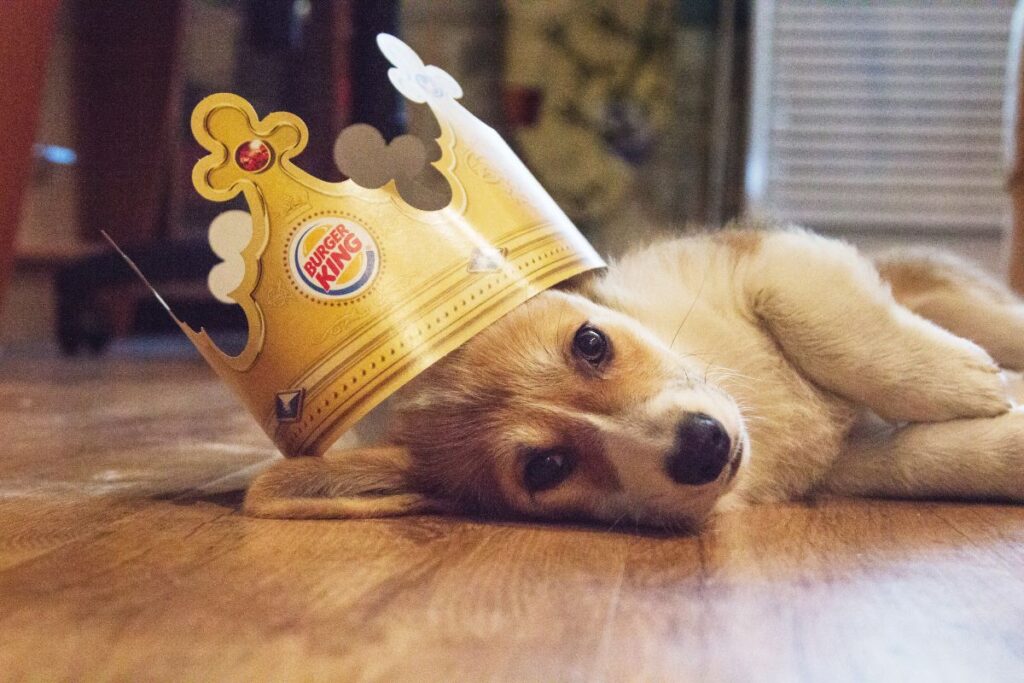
(699, 374)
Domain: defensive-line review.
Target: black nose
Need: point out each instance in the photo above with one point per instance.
(701, 450)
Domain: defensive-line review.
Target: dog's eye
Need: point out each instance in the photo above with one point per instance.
(547, 470)
(590, 344)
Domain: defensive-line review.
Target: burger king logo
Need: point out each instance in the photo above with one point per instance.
(333, 258)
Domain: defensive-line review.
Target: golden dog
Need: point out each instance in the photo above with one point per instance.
(695, 374)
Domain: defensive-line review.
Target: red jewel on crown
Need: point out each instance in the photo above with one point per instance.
(253, 156)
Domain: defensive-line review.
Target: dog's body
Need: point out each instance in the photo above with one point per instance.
(700, 373)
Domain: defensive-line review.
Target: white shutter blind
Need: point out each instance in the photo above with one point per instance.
(880, 115)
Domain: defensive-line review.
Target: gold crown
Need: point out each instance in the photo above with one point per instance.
(351, 291)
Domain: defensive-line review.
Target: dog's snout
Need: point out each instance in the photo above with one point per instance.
(701, 451)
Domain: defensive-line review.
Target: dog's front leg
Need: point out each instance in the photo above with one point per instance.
(834, 319)
(979, 459)
(356, 483)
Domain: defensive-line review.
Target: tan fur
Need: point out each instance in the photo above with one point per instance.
(741, 243)
(365, 482)
(961, 298)
(793, 342)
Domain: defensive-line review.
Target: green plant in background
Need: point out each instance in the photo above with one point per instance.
(598, 92)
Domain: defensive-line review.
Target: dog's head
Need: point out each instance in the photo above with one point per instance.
(563, 409)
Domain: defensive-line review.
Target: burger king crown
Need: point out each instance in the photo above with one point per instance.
(349, 289)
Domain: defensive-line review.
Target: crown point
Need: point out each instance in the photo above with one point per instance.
(253, 156)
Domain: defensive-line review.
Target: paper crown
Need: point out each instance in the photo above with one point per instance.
(349, 290)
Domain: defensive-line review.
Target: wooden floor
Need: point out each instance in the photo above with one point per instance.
(123, 556)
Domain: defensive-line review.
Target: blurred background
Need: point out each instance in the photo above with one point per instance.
(886, 123)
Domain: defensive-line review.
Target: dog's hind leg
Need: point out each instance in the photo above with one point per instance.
(960, 298)
(836, 321)
(979, 459)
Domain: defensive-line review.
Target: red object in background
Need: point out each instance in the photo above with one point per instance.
(521, 105)
(25, 35)
(253, 156)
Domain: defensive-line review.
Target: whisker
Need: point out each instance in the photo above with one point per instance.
(730, 372)
(617, 520)
(693, 303)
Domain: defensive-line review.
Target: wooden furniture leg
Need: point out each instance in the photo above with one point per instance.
(1014, 134)
(26, 29)
(127, 90)
(1017, 237)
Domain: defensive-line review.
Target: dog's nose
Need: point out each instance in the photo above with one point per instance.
(701, 450)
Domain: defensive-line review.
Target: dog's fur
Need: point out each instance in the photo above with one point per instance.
(829, 373)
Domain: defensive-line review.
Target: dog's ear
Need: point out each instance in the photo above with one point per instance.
(361, 482)
(583, 284)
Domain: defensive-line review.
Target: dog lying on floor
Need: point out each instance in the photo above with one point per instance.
(696, 374)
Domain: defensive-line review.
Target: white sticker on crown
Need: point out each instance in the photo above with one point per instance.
(230, 232)
(416, 81)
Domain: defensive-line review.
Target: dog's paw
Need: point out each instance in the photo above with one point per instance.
(979, 390)
(999, 448)
(984, 389)
(964, 385)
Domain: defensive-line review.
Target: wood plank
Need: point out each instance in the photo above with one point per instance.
(123, 556)
(94, 440)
